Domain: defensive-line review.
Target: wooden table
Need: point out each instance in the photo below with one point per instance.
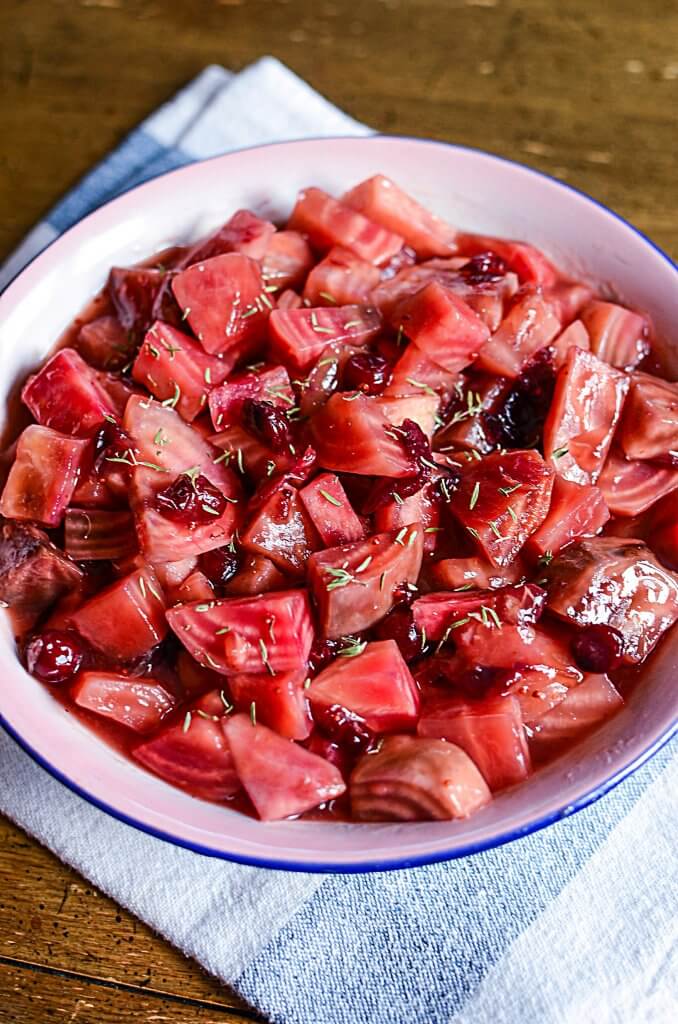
(587, 92)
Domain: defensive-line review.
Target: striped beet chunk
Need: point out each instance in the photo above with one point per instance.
(341, 279)
(298, 336)
(443, 327)
(328, 222)
(384, 202)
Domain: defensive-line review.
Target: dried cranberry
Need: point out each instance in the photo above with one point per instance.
(54, 656)
(295, 474)
(367, 372)
(268, 423)
(520, 421)
(485, 268)
(598, 648)
(111, 441)
(345, 727)
(399, 625)
(191, 500)
(219, 565)
(322, 652)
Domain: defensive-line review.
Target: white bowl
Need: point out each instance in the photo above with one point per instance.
(474, 190)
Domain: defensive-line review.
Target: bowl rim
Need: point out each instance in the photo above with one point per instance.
(568, 808)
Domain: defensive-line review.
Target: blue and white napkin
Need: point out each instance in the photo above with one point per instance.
(574, 925)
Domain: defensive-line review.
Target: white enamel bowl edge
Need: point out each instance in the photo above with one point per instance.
(470, 188)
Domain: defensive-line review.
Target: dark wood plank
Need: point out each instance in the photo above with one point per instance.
(51, 916)
(40, 995)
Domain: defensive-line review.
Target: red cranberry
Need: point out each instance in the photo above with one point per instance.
(485, 268)
(367, 372)
(268, 423)
(347, 729)
(191, 500)
(520, 421)
(399, 625)
(54, 656)
(598, 648)
(219, 565)
(322, 652)
(111, 441)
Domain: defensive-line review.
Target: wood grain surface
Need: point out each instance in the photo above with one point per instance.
(585, 91)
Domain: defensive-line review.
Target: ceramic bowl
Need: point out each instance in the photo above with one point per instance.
(480, 193)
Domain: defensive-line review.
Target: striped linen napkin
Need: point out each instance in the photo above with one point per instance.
(572, 925)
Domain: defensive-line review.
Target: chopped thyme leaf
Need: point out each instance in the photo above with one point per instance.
(474, 497)
(559, 452)
(187, 722)
(329, 497)
(330, 298)
(253, 712)
(171, 402)
(354, 649)
(142, 586)
(473, 532)
(363, 565)
(400, 535)
(426, 388)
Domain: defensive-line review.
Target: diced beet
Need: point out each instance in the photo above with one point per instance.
(43, 477)
(584, 414)
(351, 434)
(54, 655)
(171, 574)
(617, 583)
(618, 336)
(196, 587)
(91, 491)
(421, 507)
(126, 619)
(224, 301)
(486, 297)
(341, 279)
(118, 389)
(65, 394)
(632, 486)
(244, 232)
(490, 731)
(649, 426)
(501, 501)
(194, 755)
(383, 202)
(575, 335)
(376, 685)
(327, 504)
(269, 632)
(176, 368)
(416, 779)
(438, 615)
(354, 585)
(133, 292)
(528, 262)
(280, 777)
(297, 337)
(530, 326)
(270, 384)
(168, 447)
(33, 572)
(95, 534)
(569, 298)
(421, 408)
(473, 572)
(104, 343)
(248, 454)
(276, 701)
(327, 222)
(287, 261)
(530, 662)
(443, 327)
(282, 531)
(257, 575)
(415, 372)
(577, 510)
(585, 707)
(137, 704)
(289, 300)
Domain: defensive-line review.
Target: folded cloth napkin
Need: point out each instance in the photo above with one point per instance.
(575, 924)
